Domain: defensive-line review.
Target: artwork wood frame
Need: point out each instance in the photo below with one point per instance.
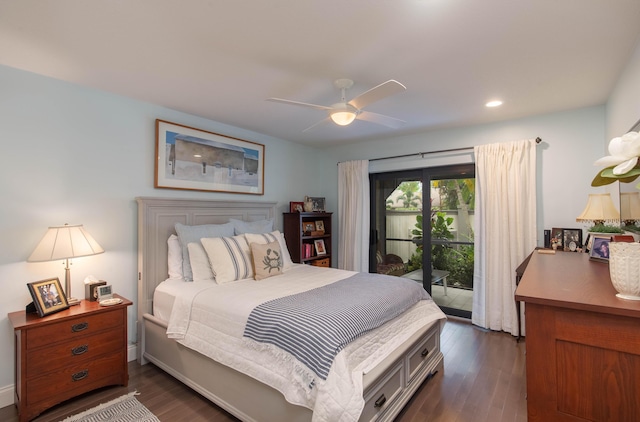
(194, 159)
(320, 226)
(48, 296)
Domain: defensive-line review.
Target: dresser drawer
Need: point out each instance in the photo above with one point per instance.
(73, 328)
(378, 398)
(71, 352)
(421, 354)
(76, 379)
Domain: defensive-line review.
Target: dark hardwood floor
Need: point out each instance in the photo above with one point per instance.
(483, 380)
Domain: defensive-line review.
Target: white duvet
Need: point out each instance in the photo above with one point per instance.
(210, 319)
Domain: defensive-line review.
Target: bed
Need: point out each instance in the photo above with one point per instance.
(387, 383)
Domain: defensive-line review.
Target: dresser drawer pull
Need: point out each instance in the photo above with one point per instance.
(79, 327)
(382, 400)
(80, 350)
(79, 376)
(424, 353)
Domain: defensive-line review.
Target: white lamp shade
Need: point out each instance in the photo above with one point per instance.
(599, 208)
(64, 242)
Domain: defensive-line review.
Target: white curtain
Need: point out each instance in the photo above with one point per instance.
(505, 229)
(353, 208)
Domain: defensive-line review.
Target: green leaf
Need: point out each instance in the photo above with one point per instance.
(606, 177)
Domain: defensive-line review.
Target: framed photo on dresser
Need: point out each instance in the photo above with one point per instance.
(48, 296)
(572, 239)
(599, 250)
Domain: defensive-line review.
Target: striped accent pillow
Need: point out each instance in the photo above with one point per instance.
(230, 258)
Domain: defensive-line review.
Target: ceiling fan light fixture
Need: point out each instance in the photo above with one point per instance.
(343, 114)
(342, 117)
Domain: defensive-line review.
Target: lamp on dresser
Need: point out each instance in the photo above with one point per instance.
(599, 210)
(65, 243)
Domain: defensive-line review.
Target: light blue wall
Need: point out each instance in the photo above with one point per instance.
(75, 155)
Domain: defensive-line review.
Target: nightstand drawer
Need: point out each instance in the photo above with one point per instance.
(69, 353)
(73, 328)
(76, 379)
(422, 354)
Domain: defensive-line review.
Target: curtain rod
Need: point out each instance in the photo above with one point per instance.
(422, 154)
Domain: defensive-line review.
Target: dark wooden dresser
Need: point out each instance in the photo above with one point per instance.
(583, 343)
(68, 353)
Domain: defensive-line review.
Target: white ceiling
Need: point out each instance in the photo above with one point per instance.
(221, 59)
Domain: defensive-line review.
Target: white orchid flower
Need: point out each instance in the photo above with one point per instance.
(624, 151)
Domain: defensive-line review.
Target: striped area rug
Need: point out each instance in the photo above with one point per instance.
(123, 409)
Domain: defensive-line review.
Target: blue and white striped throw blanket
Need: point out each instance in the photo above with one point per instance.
(315, 325)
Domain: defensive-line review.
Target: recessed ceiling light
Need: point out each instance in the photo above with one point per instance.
(495, 103)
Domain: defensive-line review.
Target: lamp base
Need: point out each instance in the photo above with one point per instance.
(73, 301)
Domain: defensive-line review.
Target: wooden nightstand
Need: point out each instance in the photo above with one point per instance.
(67, 354)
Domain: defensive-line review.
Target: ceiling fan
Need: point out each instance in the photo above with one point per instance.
(344, 113)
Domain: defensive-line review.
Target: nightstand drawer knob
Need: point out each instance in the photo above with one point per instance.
(79, 327)
(381, 400)
(80, 350)
(79, 376)
(424, 353)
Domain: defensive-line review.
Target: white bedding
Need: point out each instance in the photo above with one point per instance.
(210, 318)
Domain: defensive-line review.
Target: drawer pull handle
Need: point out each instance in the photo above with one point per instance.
(424, 353)
(79, 376)
(80, 350)
(79, 327)
(382, 400)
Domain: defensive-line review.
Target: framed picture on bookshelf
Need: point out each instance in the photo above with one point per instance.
(320, 249)
(296, 206)
(320, 226)
(309, 226)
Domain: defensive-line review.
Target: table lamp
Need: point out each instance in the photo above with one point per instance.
(599, 209)
(65, 242)
(630, 208)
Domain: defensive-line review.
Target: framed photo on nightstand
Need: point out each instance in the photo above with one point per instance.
(48, 297)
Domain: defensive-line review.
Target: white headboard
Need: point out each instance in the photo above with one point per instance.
(156, 220)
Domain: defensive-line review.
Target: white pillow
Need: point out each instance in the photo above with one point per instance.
(268, 238)
(230, 258)
(199, 262)
(267, 259)
(174, 257)
(188, 234)
(241, 227)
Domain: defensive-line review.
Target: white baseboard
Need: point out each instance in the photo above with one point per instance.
(6, 396)
(7, 393)
(132, 352)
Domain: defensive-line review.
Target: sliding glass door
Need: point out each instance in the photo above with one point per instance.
(408, 219)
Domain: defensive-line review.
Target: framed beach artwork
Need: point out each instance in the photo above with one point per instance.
(194, 159)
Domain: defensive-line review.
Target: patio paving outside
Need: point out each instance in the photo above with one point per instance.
(455, 298)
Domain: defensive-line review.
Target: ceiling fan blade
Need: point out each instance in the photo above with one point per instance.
(298, 103)
(377, 93)
(380, 119)
(316, 124)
